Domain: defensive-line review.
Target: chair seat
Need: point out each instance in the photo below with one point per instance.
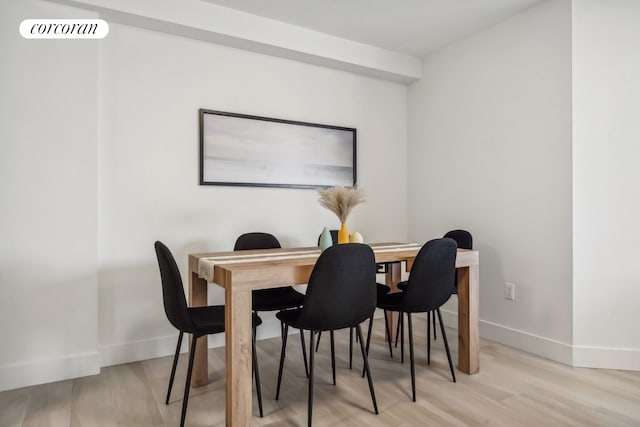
(382, 289)
(290, 317)
(390, 301)
(276, 299)
(403, 287)
(210, 319)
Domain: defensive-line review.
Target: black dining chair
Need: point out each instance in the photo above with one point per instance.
(273, 299)
(341, 294)
(198, 321)
(381, 290)
(464, 240)
(428, 288)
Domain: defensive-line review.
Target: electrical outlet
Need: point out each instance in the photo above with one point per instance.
(510, 291)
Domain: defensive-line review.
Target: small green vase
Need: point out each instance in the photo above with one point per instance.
(325, 239)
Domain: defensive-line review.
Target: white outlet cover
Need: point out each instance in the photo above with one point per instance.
(510, 291)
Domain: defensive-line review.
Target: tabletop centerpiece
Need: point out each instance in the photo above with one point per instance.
(341, 200)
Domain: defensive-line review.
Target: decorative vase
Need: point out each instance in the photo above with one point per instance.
(356, 238)
(325, 239)
(343, 234)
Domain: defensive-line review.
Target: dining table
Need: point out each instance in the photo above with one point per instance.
(239, 273)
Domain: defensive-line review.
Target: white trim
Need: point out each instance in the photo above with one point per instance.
(525, 341)
(573, 355)
(36, 372)
(606, 358)
(44, 371)
(133, 351)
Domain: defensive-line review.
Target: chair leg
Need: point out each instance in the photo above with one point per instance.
(350, 348)
(446, 346)
(386, 325)
(333, 358)
(173, 369)
(256, 371)
(400, 321)
(365, 359)
(413, 368)
(304, 354)
(433, 314)
(282, 352)
(310, 402)
(187, 385)
(429, 338)
(318, 343)
(369, 334)
(368, 340)
(402, 338)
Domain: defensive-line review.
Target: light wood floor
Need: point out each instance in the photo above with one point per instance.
(512, 389)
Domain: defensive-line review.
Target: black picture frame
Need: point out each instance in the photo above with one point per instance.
(255, 151)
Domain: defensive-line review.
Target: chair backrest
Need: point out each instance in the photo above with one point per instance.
(465, 241)
(432, 276)
(334, 237)
(342, 288)
(175, 303)
(462, 237)
(256, 241)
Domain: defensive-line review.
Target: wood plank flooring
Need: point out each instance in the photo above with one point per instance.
(512, 389)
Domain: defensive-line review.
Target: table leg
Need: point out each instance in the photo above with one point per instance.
(391, 279)
(198, 298)
(238, 356)
(468, 316)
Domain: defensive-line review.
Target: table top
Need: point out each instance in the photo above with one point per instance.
(263, 268)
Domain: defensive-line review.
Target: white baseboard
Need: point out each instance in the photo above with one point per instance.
(572, 355)
(134, 351)
(525, 341)
(36, 372)
(44, 371)
(606, 358)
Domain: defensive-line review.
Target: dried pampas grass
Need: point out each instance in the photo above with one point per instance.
(341, 200)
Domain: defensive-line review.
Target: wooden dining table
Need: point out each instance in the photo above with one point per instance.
(239, 273)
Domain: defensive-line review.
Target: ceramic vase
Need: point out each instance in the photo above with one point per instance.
(325, 239)
(356, 238)
(343, 234)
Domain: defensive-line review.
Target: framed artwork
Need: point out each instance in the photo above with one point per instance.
(243, 150)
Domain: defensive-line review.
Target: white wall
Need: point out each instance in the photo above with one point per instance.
(490, 151)
(152, 86)
(48, 275)
(606, 195)
(99, 158)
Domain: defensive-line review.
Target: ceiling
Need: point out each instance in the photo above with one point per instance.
(414, 27)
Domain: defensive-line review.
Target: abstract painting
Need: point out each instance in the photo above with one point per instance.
(244, 150)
